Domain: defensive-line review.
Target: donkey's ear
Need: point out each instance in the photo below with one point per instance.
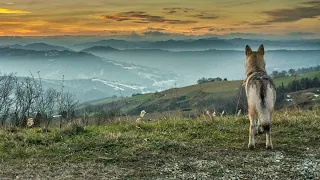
(248, 50)
(261, 49)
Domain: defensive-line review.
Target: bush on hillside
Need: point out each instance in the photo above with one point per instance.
(206, 80)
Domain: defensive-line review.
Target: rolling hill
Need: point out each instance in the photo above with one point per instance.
(85, 72)
(210, 95)
(285, 80)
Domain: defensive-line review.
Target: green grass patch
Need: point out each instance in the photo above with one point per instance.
(286, 80)
(165, 149)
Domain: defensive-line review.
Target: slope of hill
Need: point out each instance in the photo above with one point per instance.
(212, 89)
(93, 89)
(285, 80)
(212, 95)
(166, 149)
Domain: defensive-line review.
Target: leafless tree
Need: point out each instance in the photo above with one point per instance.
(60, 102)
(6, 90)
(22, 98)
(67, 104)
(50, 101)
(40, 106)
(18, 102)
(45, 103)
(25, 94)
(70, 103)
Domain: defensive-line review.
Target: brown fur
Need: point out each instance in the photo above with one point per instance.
(255, 61)
(258, 85)
(251, 114)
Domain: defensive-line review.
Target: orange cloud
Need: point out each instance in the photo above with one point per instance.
(141, 17)
(26, 31)
(12, 11)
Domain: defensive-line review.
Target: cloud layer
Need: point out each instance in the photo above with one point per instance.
(305, 10)
(144, 17)
(108, 17)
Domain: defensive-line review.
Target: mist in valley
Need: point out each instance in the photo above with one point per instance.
(97, 68)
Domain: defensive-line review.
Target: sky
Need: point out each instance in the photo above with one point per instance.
(123, 17)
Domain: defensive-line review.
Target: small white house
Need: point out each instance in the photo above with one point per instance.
(316, 95)
(289, 100)
(288, 96)
(57, 116)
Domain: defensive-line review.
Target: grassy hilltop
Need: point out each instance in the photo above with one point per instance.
(167, 149)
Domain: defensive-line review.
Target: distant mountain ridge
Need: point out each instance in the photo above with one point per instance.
(38, 47)
(185, 44)
(99, 48)
(10, 51)
(201, 44)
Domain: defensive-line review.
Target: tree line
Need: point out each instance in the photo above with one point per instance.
(296, 85)
(206, 80)
(293, 72)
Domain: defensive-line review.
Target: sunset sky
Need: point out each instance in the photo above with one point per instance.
(190, 17)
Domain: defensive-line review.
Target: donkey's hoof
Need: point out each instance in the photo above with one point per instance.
(251, 146)
(269, 147)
